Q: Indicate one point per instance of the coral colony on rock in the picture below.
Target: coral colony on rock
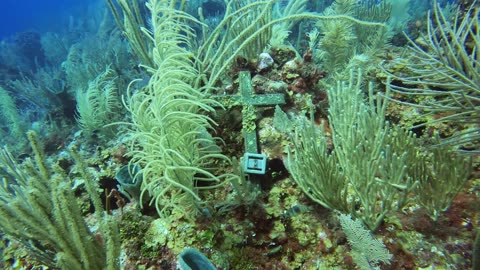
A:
(243, 134)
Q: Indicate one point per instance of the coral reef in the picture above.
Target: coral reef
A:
(141, 117)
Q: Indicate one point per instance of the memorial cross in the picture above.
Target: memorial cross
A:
(253, 161)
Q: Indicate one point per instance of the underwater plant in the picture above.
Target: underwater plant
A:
(242, 29)
(374, 167)
(444, 66)
(166, 152)
(363, 169)
(367, 251)
(338, 45)
(170, 121)
(131, 25)
(98, 104)
(171, 114)
(10, 117)
(39, 199)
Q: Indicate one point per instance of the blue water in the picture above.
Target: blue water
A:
(38, 15)
(51, 15)
(52, 50)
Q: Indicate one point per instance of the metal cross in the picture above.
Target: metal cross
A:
(254, 162)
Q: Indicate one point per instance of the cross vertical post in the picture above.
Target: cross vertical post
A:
(253, 161)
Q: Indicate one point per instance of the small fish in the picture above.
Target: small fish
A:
(368, 2)
(295, 210)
